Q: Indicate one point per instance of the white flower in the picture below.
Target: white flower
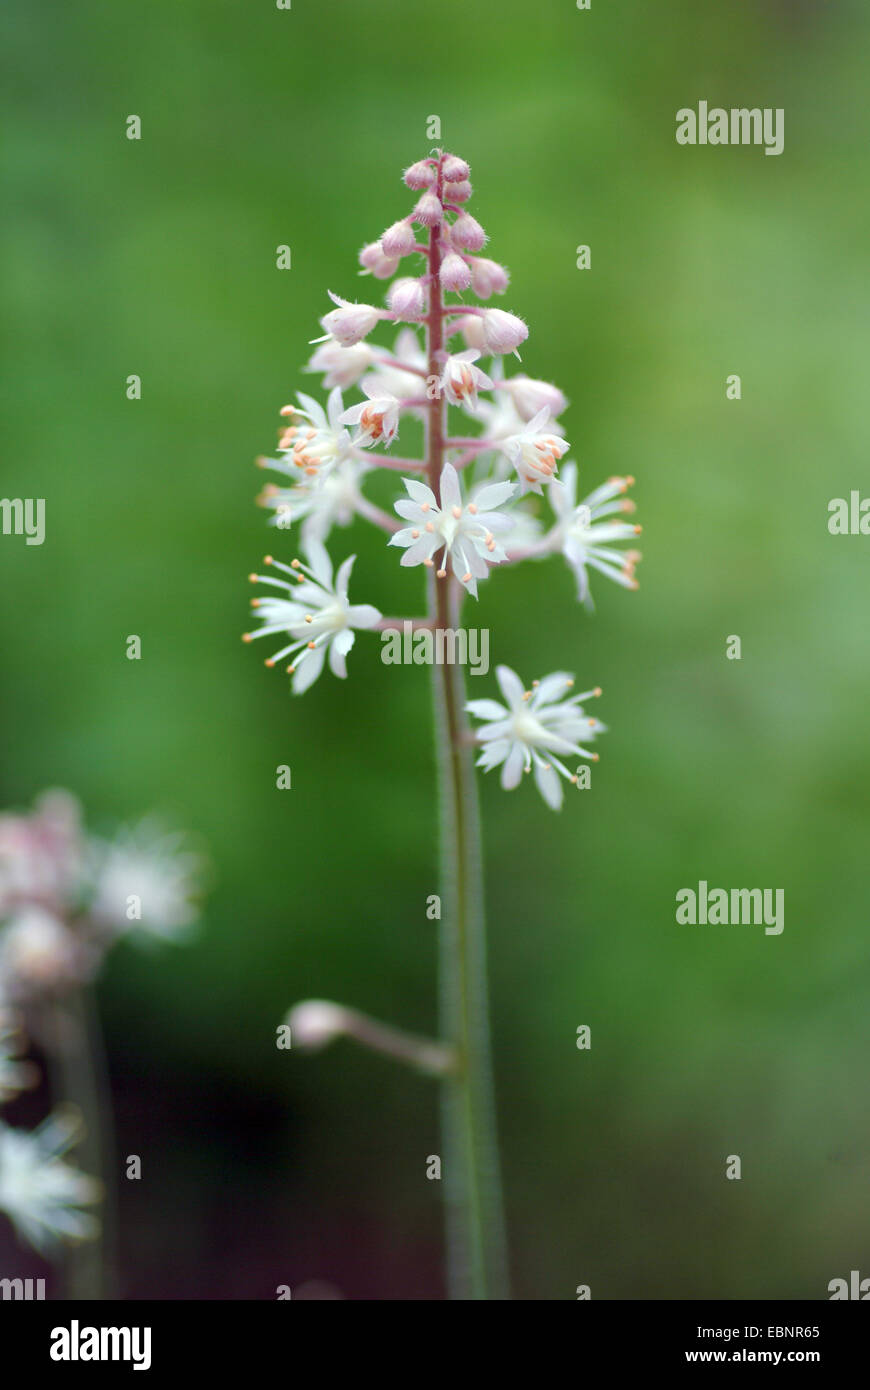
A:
(349, 323)
(526, 533)
(461, 380)
(377, 418)
(318, 618)
(41, 1194)
(531, 728)
(318, 502)
(499, 416)
(15, 1075)
(146, 880)
(343, 366)
(390, 380)
(534, 452)
(41, 854)
(465, 533)
(39, 954)
(321, 445)
(585, 539)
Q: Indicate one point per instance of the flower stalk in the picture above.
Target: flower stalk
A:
(459, 531)
(475, 1238)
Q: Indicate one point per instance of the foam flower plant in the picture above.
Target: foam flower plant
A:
(446, 368)
(66, 897)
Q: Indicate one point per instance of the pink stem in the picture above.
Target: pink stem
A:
(378, 517)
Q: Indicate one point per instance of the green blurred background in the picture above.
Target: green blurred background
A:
(157, 257)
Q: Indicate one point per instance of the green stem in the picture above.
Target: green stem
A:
(476, 1251)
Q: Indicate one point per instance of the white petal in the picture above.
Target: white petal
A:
(486, 709)
(556, 686)
(314, 408)
(420, 492)
(308, 670)
(334, 406)
(342, 579)
(492, 495)
(450, 493)
(363, 615)
(493, 753)
(511, 687)
(513, 767)
(537, 422)
(409, 511)
(549, 785)
(321, 565)
(420, 550)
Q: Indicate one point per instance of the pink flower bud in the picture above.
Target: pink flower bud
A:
(350, 323)
(407, 299)
(398, 240)
(467, 233)
(488, 277)
(429, 211)
(372, 258)
(454, 273)
(471, 328)
(459, 192)
(420, 175)
(454, 170)
(503, 332)
(530, 396)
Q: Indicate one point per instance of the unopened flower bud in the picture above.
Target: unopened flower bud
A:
(349, 323)
(454, 170)
(407, 299)
(467, 233)
(454, 273)
(488, 277)
(420, 175)
(503, 332)
(316, 1022)
(459, 192)
(471, 328)
(530, 396)
(429, 211)
(399, 240)
(373, 258)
